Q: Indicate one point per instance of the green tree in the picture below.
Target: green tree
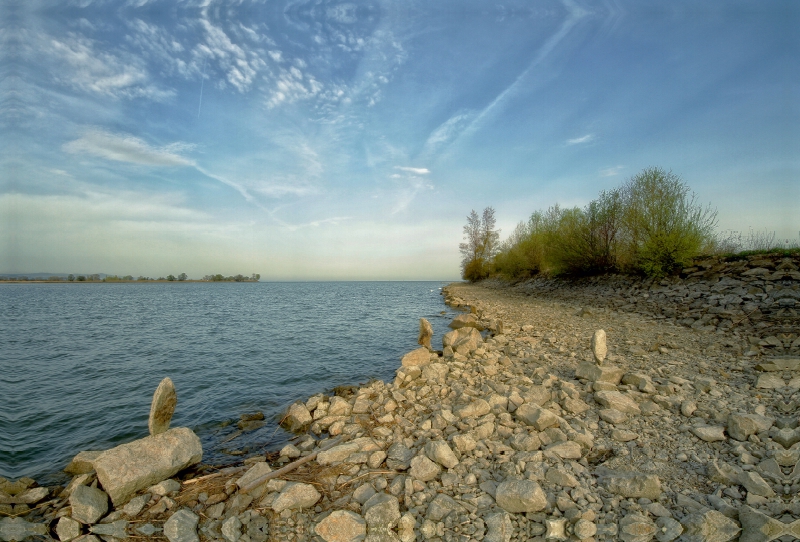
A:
(71, 277)
(182, 277)
(170, 278)
(81, 278)
(480, 246)
(663, 225)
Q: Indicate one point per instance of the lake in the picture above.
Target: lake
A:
(80, 362)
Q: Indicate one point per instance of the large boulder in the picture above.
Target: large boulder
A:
(416, 358)
(465, 320)
(126, 469)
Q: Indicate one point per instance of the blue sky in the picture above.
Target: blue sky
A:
(337, 140)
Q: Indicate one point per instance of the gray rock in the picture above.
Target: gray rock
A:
(135, 505)
(636, 528)
(126, 469)
(253, 473)
(163, 407)
(337, 454)
(16, 529)
(182, 527)
(165, 487)
(667, 529)
(423, 469)
(435, 373)
(425, 333)
(440, 506)
(381, 511)
(754, 483)
(631, 484)
(555, 529)
(296, 496)
(759, 527)
(67, 529)
(566, 450)
(709, 526)
(439, 451)
(342, 526)
(232, 529)
(33, 495)
(597, 373)
(723, 473)
(89, 504)
(709, 433)
(584, 529)
(599, 348)
(398, 456)
(116, 529)
(517, 496)
(498, 527)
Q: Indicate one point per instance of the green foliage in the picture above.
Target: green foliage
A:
(652, 224)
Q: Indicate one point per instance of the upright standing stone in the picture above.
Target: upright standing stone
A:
(163, 407)
(599, 349)
(425, 333)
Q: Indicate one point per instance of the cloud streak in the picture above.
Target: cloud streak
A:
(588, 138)
(127, 148)
(415, 170)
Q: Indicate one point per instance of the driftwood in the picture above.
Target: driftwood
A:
(290, 467)
(224, 472)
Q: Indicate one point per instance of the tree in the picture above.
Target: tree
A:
(182, 277)
(480, 246)
(71, 277)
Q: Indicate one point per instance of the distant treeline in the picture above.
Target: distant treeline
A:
(96, 277)
(651, 225)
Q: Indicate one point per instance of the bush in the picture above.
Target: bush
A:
(663, 226)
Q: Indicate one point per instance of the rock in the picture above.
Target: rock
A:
(632, 484)
(709, 433)
(291, 451)
(463, 340)
(435, 373)
(89, 504)
(163, 407)
(182, 527)
(599, 349)
(135, 505)
(597, 373)
(636, 528)
(466, 443)
(688, 407)
(416, 358)
(297, 419)
(33, 495)
(561, 478)
(343, 525)
(741, 426)
(82, 463)
(617, 401)
(381, 511)
(667, 529)
(555, 529)
(754, 483)
(423, 469)
(16, 529)
(439, 451)
(165, 487)
(253, 473)
(296, 496)
(425, 333)
(405, 528)
(116, 529)
(465, 320)
(475, 409)
(126, 469)
(566, 450)
(612, 416)
(515, 496)
(499, 527)
(339, 406)
(398, 456)
(584, 529)
(758, 527)
(723, 473)
(337, 454)
(232, 529)
(67, 529)
(709, 526)
(441, 506)
(536, 416)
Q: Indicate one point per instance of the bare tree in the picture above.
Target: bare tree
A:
(480, 246)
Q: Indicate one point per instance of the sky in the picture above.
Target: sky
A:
(328, 140)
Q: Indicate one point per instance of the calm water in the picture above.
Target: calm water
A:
(79, 362)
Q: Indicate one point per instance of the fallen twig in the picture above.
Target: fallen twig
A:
(290, 467)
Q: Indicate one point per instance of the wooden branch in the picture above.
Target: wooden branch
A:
(290, 467)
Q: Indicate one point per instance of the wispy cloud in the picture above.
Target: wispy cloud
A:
(611, 171)
(415, 170)
(407, 191)
(583, 139)
(126, 148)
(448, 131)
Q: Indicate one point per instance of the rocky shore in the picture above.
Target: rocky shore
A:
(589, 410)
